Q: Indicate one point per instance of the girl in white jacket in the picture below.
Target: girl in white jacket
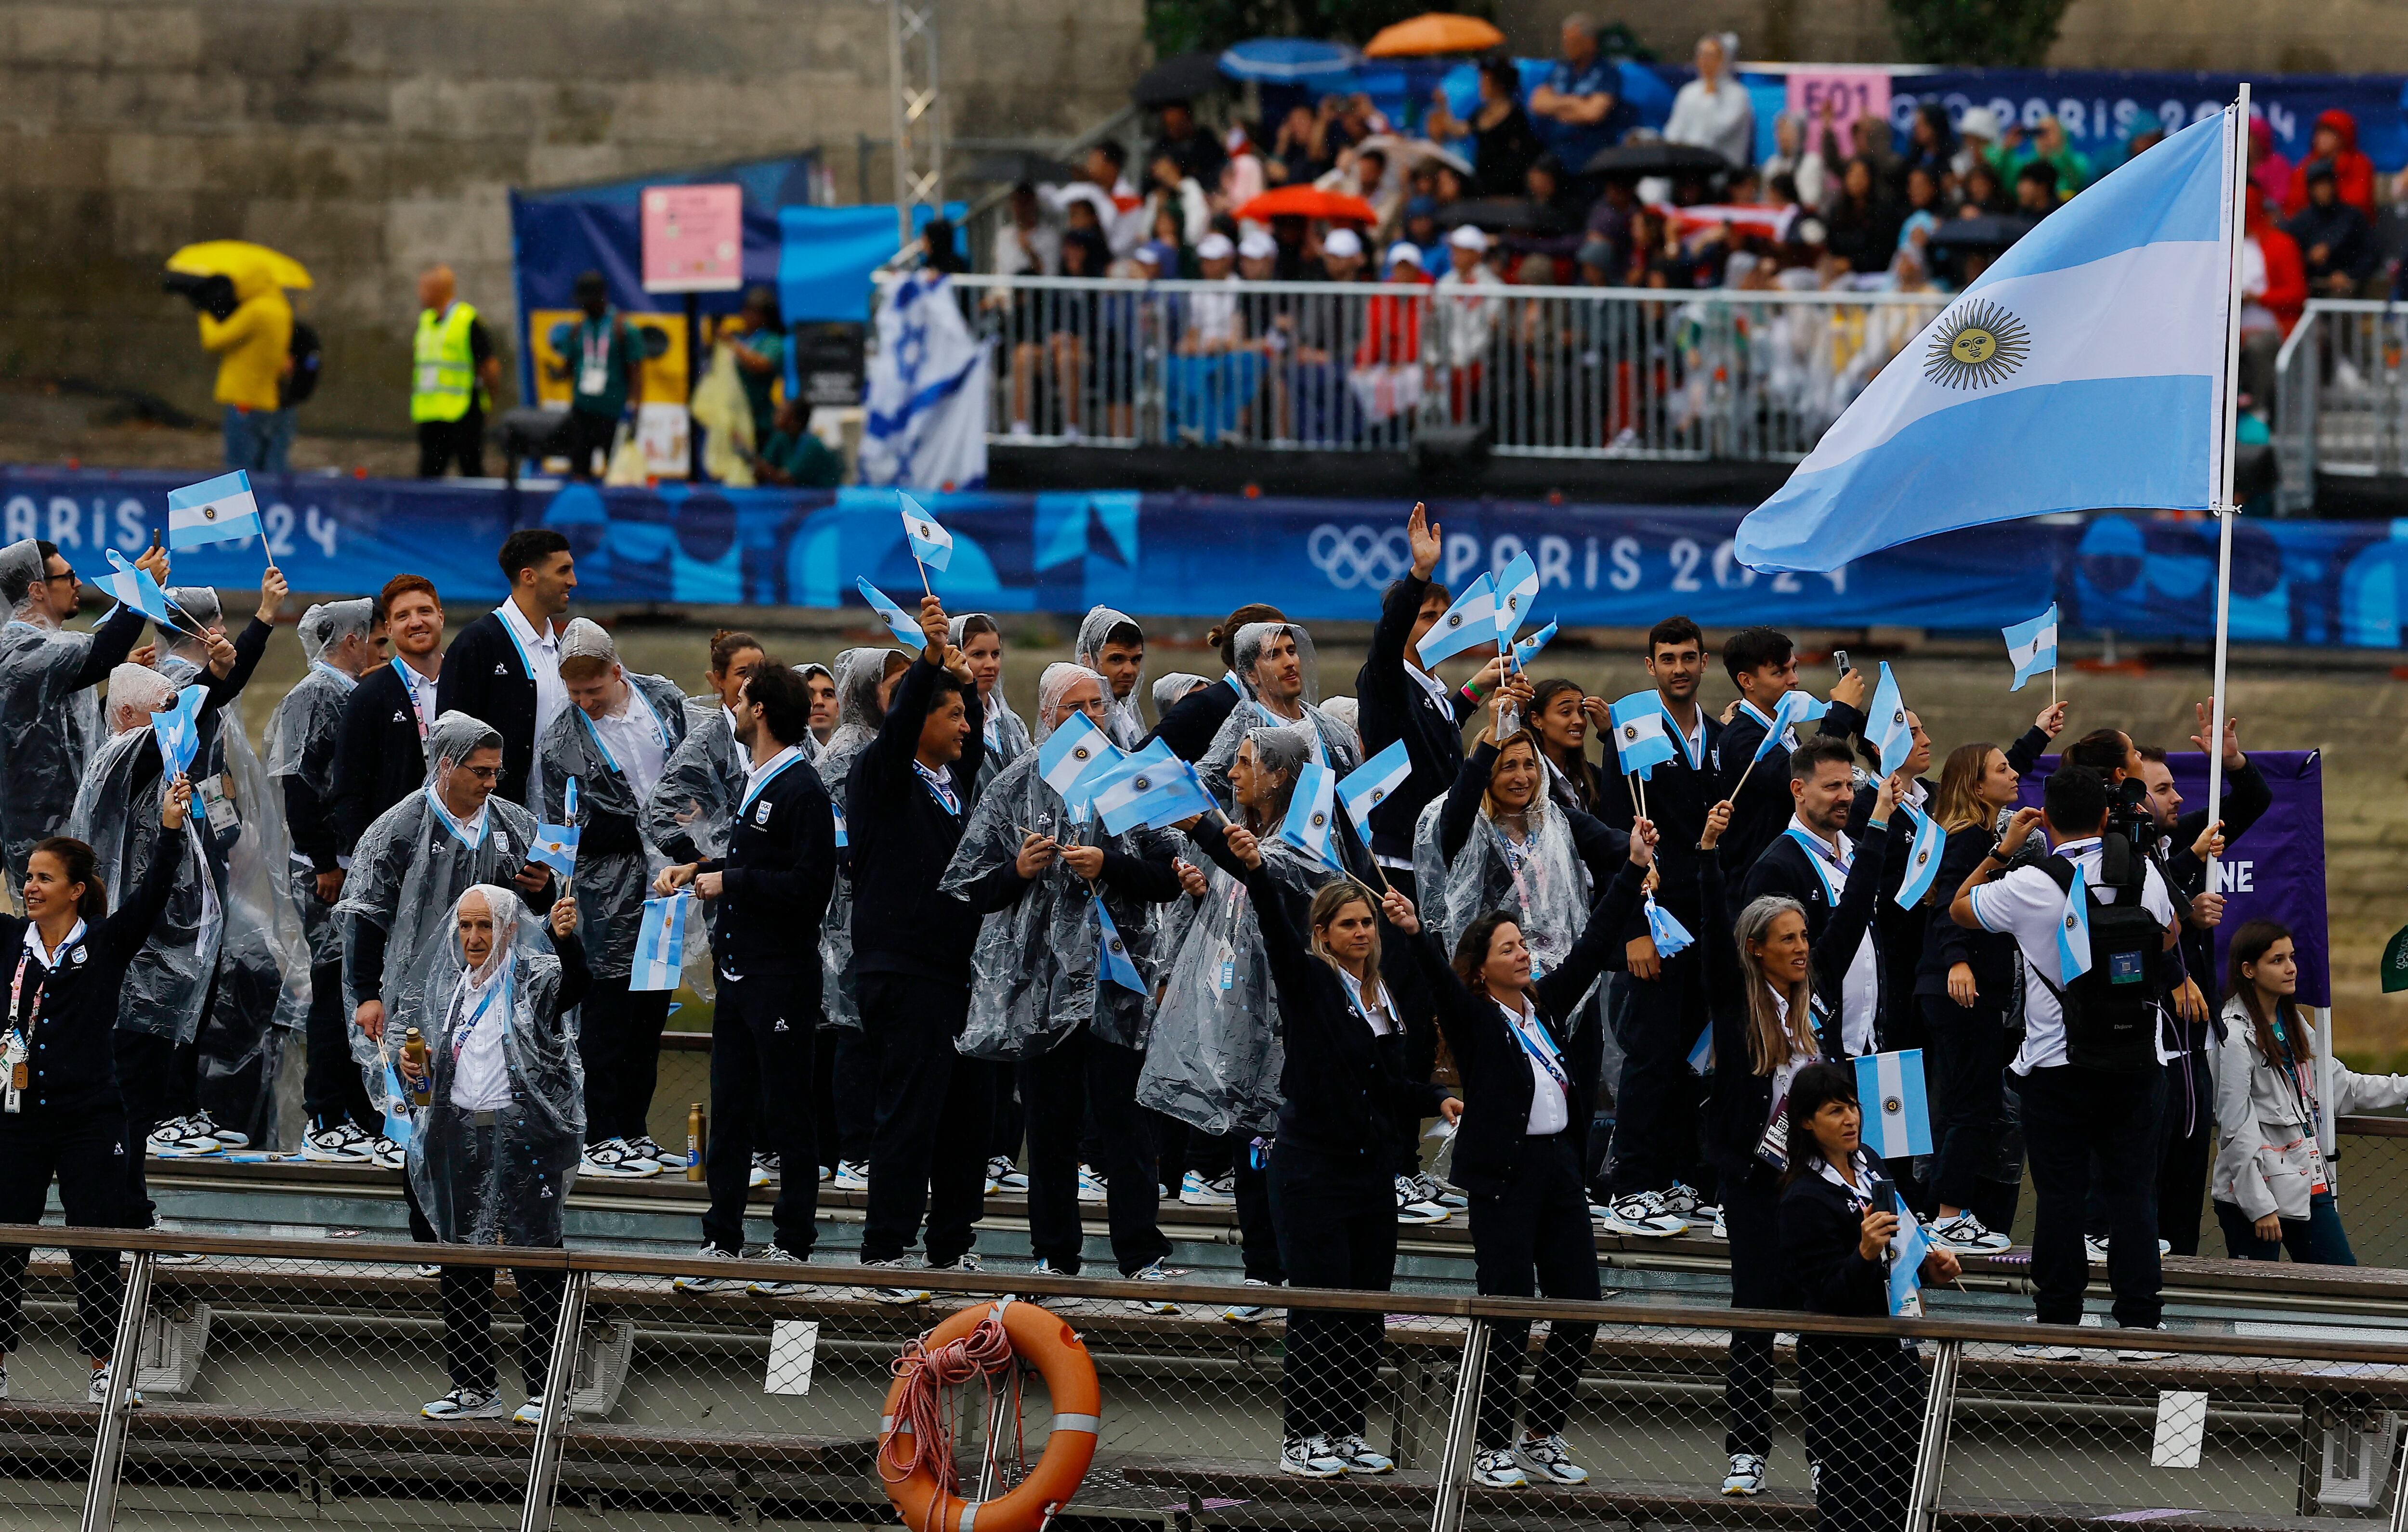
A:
(2273, 1188)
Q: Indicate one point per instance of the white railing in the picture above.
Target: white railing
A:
(1549, 371)
(2341, 396)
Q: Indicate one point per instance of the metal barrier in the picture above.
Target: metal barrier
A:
(2340, 407)
(281, 1378)
(1550, 371)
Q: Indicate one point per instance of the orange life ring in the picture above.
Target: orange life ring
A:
(1060, 1357)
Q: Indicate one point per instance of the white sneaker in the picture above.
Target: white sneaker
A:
(1091, 1186)
(1498, 1469)
(1152, 1273)
(1248, 1313)
(1969, 1236)
(1551, 1460)
(895, 1294)
(228, 1137)
(342, 1144)
(529, 1413)
(1359, 1458)
(2141, 1353)
(1198, 1190)
(1428, 1188)
(851, 1176)
(1410, 1209)
(647, 1149)
(1020, 428)
(614, 1160)
(1722, 1229)
(185, 1138)
(1642, 1214)
(769, 1289)
(707, 1284)
(828, 1174)
(387, 1155)
(1048, 1300)
(758, 1175)
(1310, 1458)
(1681, 1201)
(1004, 1176)
(1746, 1476)
(464, 1404)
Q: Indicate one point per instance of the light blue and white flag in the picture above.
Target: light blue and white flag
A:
(1796, 706)
(1469, 623)
(1669, 936)
(1369, 785)
(1906, 1249)
(2032, 646)
(901, 623)
(924, 426)
(659, 943)
(1898, 1118)
(1922, 858)
(1308, 820)
(1885, 725)
(1643, 733)
(931, 544)
(178, 730)
(1516, 588)
(555, 847)
(1153, 788)
(1074, 758)
(132, 586)
(2102, 334)
(219, 509)
(1112, 955)
(2073, 931)
(1701, 1052)
(1527, 650)
(397, 1106)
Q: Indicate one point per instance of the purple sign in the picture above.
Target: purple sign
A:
(2276, 871)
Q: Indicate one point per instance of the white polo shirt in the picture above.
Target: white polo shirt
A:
(2027, 905)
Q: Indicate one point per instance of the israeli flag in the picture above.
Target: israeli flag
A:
(1527, 650)
(1701, 1052)
(1643, 733)
(1669, 934)
(1074, 757)
(1112, 955)
(1886, 724)
(1797, 706)
(1897, 1119)
(1369, 785)
(1922, 858)
(178, 730)
(132, 586)
(925, 418)
(555, 847)
(219, 509)
(2032, 646)
(2073, 931)
(931, 544)
(2102, 334)
(1516, 588)
(901, 623)
(1309, 807)
(1469, 623)
(659, 943)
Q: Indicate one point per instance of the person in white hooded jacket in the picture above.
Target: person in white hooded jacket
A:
(2273, 1188)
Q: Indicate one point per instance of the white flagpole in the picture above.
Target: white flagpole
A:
(2224, 509)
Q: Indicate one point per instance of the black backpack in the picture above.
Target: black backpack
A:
(2111, 1009)
(308, 356)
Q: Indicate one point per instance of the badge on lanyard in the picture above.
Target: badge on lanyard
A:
(593, 370)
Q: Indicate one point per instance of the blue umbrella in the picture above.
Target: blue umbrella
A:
(1286, 59)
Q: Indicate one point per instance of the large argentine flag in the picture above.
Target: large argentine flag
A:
(2084, 370)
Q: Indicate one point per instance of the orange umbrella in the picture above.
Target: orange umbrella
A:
(1309, 202)
(1435, 32)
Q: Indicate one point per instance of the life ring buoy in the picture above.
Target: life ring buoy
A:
(1061, 1359)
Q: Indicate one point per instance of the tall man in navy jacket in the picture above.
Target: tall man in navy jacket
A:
(504, 669)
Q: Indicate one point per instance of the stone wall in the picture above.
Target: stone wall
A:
(370, 137)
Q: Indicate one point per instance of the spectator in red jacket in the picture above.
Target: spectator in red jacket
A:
(2273, 289)
(2335, 139)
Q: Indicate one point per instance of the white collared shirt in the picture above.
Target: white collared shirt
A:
(2026, 903)
(1786, 1070)
(1549, 1109)
(481, 1078)
(1860, 990)
(636, 741)
(1692, 740)
(48, 959)
(766, 769)
(1436, 688)
(471, 830)
(1373, 1008)
(542, 651)
(421, 690)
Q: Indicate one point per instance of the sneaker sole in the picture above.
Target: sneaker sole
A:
(703, 1284)
(1615, 1225)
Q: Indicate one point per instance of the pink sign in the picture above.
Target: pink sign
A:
(694, 238)
(1847, 93)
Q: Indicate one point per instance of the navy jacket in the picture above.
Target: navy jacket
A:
(901, 839)
(1391, 706)
(775, 881)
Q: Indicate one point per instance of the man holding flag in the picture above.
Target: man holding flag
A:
(504, 666)
(1763, 664)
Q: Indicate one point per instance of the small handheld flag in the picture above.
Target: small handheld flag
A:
(1898, 1118)
(1669, 936)
(555, 847)
(1643, 733)
(1112, 955)
(1922, 858)
(1153, 788)
(1796, 707)
(931, 544)
(1074, 757)
(568, 802)
(1516, 588)
(2031, 646)
(1369, 785)
(132, 586)
(178, 730)
(905, 626)
(219, 509)
(2073, 931)
(396, 1107)
(1701, 1052)
(659, 943)
(1907, 1251)
(1527, 650)
(1469, 623)
(1886, 727)
(1309, 823)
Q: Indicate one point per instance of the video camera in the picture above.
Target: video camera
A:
(212, 295)
(2130, 828)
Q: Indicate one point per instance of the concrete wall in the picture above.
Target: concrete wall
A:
(370, 137)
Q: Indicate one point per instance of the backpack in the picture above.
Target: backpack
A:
(308, 355)
(2111, 1009)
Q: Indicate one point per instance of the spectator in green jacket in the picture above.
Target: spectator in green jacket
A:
(793, 454)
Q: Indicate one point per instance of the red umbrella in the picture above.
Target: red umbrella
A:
(1309, 202)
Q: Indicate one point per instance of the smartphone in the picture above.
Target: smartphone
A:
(1839, 658)
(1885, 1197)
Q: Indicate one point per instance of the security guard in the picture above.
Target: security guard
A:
(453, 372)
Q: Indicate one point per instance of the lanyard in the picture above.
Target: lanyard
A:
(520, 644)
(1542, 1048)
(943, 795)
(459, 831)
(1696, 756)
(460, 1038)
(1821, 858)
(593, 343)
(409, 690)
(24, 1030)
(779, 764)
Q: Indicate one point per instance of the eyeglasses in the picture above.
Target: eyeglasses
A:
(483, 774)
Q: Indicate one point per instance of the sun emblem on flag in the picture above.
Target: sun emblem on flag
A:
(923, 529)
(209, 514)
(1630, 731)
(1319, 820)
(1380, 792)
(1141, 783)
(1891, 1106)
(1454, 618)
(2071, 922)
(1079, 752)
(1982, 345)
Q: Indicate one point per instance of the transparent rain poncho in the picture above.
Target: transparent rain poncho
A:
(1171, 690)
(301, 736)
(409, 868)
(1333, 744)
(1007, 734)
(1213, 1057)
(502, 1182)
(694, 804)
(49, 726)
(611, 885)
(1033, 965)
(116, 812)
(1124, 722)
(859, 672)
(1540, 880)
(813, 746)
(329, 622)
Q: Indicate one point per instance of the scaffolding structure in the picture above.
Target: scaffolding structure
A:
(919, 112)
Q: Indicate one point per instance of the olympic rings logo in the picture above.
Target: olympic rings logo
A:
(1359, 555)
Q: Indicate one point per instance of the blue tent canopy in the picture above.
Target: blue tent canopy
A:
(1301, 61)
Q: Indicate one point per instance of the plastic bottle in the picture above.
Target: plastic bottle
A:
(417, 1070)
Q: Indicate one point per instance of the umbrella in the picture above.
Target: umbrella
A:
(1283, 60)
(1410, 153)
(1656, 159)
(1986, 231)
(1022, 165)
(1183, 77)
(1309, 202)
(1490, 213)
(1436, 31)
(251, 268)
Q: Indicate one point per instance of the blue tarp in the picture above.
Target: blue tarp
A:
(825, 256)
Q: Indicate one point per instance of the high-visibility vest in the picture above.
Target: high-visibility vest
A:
(443, 370)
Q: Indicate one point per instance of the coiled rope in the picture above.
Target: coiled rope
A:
(926, 1373)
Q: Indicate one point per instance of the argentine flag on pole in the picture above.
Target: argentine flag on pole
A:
(1643, 733)
(1897, 1121)
(901, 623)
(132, 586)
(2085, 370)
(178, 730)
(1368, 786)
(931, 544)
(1112, 956)
(1922, 858)
(1309, 823)
(1469, 623)
(2032, 646)
(1672, 938)
(1153, 787)
(1516, 588)
(1886, 724)
(2073, 931)
(1074, 757)
(1797, 706)
(1527, 650)
(219, 509)
(659, 943)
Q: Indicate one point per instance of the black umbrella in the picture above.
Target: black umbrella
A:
(1656, 159)
(1181, 79)
(1022, 165)
(1986, 230)
(1491, 213)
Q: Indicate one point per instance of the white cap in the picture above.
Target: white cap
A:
(1981, 122)
(1468, 237)
(1215, 247)
(1150, 253)
(1404, 250)
(1342, 243)
(1257, 245)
